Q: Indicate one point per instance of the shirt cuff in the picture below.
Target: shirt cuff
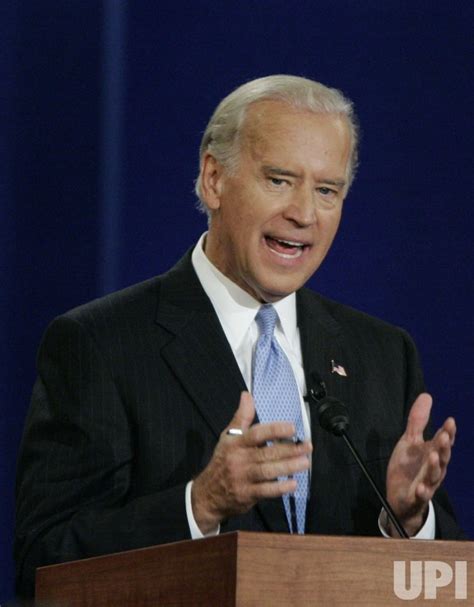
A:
(427, 532)
(193, 527)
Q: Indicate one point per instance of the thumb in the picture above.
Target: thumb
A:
(419, 416)
(244, 415)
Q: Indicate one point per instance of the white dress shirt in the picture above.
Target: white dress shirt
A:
(236, 311)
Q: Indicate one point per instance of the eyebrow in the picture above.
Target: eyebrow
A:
(278, 171)
(337, 182)
(287, 173)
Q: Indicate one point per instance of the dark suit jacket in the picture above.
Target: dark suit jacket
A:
(132, 393)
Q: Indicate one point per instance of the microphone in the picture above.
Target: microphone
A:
(333, 417)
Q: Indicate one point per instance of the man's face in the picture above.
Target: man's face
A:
(274, 219)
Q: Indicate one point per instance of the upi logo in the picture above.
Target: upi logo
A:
(428, 575)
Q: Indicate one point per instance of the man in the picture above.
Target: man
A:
(142, 428)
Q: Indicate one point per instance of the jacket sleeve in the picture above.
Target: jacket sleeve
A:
(74, 489)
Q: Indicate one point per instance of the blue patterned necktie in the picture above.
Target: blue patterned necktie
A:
(276, 399)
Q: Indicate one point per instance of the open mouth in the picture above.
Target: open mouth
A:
(288, 249)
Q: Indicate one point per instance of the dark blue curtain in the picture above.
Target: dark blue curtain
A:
(103, 106)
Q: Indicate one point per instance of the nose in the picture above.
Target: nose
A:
(301, 209)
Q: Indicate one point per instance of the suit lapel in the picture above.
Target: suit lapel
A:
(198, 352)
(322, 342)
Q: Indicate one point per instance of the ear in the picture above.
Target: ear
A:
(211, 181)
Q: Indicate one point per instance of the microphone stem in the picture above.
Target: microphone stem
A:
(388, 509)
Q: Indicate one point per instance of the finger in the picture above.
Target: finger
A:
(442, 445)
(423, 493)
(418, 417)
(282, 451)
(450, 427)
(274, 489)
(433, 471)
(245, 413)
(430, 476)
(425, 490)
(262, 433)
(272, 470)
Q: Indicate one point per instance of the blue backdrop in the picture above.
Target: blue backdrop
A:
(103, 106)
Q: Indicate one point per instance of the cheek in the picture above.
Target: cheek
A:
(329, 225)
(247, 222)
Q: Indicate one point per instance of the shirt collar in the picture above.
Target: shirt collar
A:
(235, 308)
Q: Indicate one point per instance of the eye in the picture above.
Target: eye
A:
(276, 181)
(327, 191)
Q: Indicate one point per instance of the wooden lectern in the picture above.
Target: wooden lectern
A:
(250, 569)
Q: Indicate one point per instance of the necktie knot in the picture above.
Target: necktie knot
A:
(266, 319)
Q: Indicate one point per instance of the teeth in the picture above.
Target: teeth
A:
(289, 242)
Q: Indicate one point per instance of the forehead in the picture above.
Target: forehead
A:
(274, 128)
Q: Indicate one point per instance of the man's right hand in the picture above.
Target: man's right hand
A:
(244, 469)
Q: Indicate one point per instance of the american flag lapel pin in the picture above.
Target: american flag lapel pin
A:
(339, 369)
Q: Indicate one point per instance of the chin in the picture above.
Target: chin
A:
(274, 292)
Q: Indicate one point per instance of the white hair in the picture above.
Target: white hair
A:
(223, 132)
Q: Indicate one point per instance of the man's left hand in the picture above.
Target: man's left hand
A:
(417, 467)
